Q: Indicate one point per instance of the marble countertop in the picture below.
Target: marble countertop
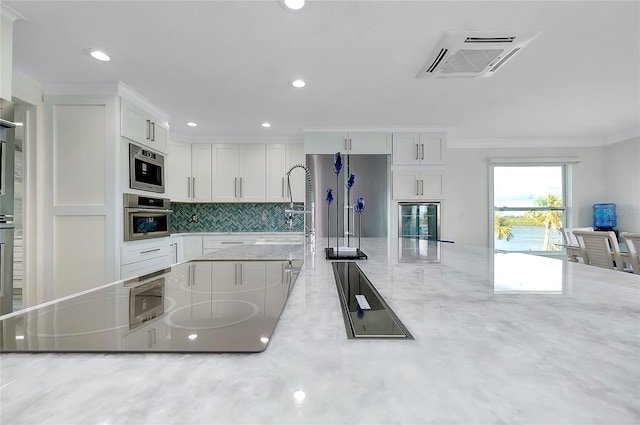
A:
(499, 338)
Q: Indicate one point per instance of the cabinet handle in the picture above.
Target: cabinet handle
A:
(350, 146)
(240, 273)
(231, 242)
(188, 187)
(235, 187)
(2, 268)
(149, 250)
(149, 339)
(421, 187)
(153, 132)
(422, 152)
(241, 187)
(148, 135)
(416, 151)
(417, 187)
(283, 188)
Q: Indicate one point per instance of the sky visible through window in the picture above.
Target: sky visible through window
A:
(521, 186)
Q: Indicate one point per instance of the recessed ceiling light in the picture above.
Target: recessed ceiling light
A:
(294, 4)
(192, 124)
(266, 125)
(100, 55)
(298, 84)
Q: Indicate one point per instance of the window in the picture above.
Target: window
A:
(529, 207)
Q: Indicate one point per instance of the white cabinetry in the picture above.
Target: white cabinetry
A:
(192, 247)
(419, 149)
(423, 183)
(139, 258)
(238, 172)
(178, 172)
(201, 173)
(345, 143)
(217, 242)
(139, 126)
(189, 172)
(280, 159)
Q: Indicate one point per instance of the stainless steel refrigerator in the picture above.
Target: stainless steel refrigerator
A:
(371, 183)
(7, 146)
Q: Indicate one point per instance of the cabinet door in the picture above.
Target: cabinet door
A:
(159, 136)
(134, 124)
(406, 149)
(298, 177)
(369, 143)
(178, 172)
(251, 173)
(201, 173)
(432, 149)
(406, 184)
(326, 142)
(225, 172)
(192, 247)
(276, 173)
(432, 184)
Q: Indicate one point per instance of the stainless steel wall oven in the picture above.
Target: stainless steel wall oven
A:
(146, 169)
(145, 217)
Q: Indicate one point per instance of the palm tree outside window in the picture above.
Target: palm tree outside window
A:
(529, 207)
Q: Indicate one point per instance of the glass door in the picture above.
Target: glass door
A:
(419, 231)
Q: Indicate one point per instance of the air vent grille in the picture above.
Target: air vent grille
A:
(489, 39)
(470, 54)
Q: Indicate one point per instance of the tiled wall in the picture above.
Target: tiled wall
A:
(233, 218)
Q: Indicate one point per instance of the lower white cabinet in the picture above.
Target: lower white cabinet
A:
(418, 184)
(192, 247)
(217, 242)
(139, 258)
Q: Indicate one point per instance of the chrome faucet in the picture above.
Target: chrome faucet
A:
(292, 210)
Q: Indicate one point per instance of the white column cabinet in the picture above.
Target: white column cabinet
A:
(238, 172)
(280, 158)
(345, 143)
(419, 149)
(139, 126)
(417, 184)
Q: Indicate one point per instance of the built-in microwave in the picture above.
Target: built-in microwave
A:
(146, 169)
(145, 217)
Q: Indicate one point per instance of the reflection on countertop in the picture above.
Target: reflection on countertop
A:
(479, 354)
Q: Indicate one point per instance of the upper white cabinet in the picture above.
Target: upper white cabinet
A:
(347, 143)
(422, 183)
(201, 173)
(139, 126)
(188, 173)
(280, 158)
(419, 149)
(238, 172)
(178, 172)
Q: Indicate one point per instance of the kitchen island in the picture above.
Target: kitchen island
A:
(499, 338)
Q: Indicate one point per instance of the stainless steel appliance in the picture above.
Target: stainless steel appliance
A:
(371, 183)
(419, 231)
(146, 169)
(145, 217)
(7, 226)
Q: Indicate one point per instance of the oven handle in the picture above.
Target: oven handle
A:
(149, 210)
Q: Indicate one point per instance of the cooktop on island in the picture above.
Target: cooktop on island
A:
(201, 306)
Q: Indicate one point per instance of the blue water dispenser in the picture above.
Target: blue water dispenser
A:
(604, 216)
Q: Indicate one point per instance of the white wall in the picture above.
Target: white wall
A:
(622, 182)
(465, 211)
(6, 57)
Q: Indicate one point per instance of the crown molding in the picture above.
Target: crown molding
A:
(523, 142)
(141, 101)
(378, 130)
(238, 138)
(72, 89)
(11, 14)
(630, 133)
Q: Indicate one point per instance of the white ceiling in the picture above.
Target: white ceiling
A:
(228, 64)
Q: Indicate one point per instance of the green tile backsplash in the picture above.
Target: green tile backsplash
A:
(233, 218)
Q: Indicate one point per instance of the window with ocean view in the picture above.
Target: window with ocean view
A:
(529, 207)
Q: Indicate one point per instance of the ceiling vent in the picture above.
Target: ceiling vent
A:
(469, 54)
